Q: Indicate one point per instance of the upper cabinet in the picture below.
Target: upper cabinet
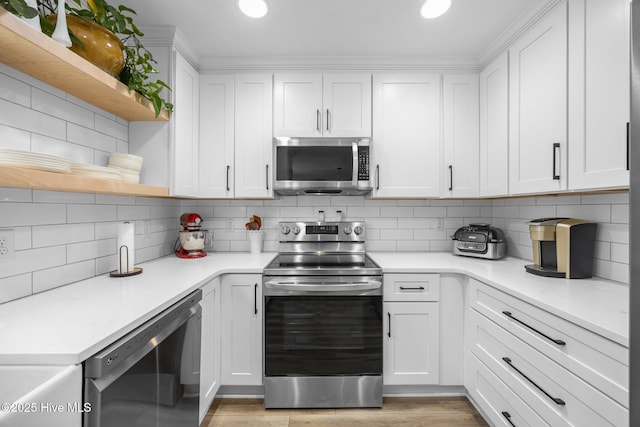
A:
(494, 128)
(538, 107)
(406, 128)
(315, 105)
(461, 133)
(599, 101)
(253, 136)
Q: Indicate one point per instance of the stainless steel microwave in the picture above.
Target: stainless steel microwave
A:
(321, 166)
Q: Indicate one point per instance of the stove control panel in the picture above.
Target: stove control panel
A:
(342, 231)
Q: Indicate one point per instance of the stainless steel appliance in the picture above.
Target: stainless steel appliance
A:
(321, 166)
(150, 377)
(479, 241)
(562, 247)
(323, 319)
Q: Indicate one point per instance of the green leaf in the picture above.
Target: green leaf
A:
(23, 9)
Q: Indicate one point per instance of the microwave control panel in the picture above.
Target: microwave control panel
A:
(363, 163)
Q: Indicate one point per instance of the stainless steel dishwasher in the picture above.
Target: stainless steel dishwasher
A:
(150, 377)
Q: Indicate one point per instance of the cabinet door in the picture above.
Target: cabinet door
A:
(210, 345)
(461, 127)
(297, 105)
(494, 128)
(242, 329)
(598, 93)
(411, 351)
(216, 136)
(406, 125)
(347, 105)
(253, 129)
(184, 176)
(538, 107)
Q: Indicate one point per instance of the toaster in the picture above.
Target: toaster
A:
(480, 241)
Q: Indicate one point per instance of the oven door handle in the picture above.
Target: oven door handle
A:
(320, 286)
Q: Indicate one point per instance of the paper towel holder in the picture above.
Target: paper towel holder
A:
(117, 273)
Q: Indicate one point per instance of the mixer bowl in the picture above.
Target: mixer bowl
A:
(193, 240)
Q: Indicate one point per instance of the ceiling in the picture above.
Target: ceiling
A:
(336, 28)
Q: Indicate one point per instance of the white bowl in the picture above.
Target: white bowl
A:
(131, 179)
(121, 162)
(128, 156)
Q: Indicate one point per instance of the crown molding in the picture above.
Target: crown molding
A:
(163, 36)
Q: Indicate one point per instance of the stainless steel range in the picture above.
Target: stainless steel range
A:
(323, 319)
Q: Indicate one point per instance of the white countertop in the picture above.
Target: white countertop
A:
(68, 324)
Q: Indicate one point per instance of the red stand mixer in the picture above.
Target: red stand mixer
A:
(192, 238)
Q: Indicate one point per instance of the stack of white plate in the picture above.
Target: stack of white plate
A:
(84, 169)
(29, 160)
(129, 165)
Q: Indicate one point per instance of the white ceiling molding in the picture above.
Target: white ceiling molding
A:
(162, 36)
(515, 30)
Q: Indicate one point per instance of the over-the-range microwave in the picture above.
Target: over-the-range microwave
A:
(321, 166)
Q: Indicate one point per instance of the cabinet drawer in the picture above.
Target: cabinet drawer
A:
(554, 393)
(597, 360)
(411, 287)
(499, 403)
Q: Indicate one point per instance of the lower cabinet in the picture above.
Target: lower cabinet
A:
(242, 329)
(210, 345)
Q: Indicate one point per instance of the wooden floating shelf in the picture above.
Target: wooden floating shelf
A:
(35, 54)
(14, 177)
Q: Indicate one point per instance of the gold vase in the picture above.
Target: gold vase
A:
(100, 46)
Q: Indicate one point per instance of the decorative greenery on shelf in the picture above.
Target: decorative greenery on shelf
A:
(138, 60)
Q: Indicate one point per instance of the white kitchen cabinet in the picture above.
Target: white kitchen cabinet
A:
(242, 329)
(184, 143)
(314, 105)
(210, 354)
(253, 136)
(461, 135)
(406, 159)
(411, 352)
(538, 106)
(599, 101)
(216, 158)
(494, 128)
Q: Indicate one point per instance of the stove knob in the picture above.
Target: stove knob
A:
(347, 229)
(285, 229)
(296, 229)
(358, 230)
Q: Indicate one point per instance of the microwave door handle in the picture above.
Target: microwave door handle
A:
(354, 175)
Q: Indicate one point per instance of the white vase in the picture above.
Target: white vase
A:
(61, 33)
(255, 241)
(34, 22)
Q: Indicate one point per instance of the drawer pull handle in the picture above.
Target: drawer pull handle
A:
(389, 331)
(255, 298)
(507, 416)
(553, 340)
(556, 400)
(419, 288)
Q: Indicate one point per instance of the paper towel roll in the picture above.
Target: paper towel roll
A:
(126, 251)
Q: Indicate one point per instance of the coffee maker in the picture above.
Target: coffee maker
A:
(192, 238)
(562, 247)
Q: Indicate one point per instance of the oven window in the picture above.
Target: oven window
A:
(314, 164)
(323, 335)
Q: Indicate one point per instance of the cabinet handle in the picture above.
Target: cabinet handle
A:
(419, 288)
(507, 416)
(389, 331)
(556, 400)
(255, 298)
(450, 177)
(377, 177)
(553, 340)
(328, 125)
(267, 176)
(628, 145)
(318, 121)
(228, 167)
(556, 152)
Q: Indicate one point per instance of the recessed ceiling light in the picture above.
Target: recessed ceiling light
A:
(434, 8)
(253, 8)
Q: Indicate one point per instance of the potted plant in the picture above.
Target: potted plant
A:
(138, 61)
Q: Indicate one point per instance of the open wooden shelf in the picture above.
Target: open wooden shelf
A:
(14, 177)
(33, 53)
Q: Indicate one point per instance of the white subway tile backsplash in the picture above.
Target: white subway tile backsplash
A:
(67, 150)
(464, 211)
(108, 263)
(14, 90)
(612, 270)
(91, 213)
(33, 260)
(413, 245)
(90, 138)
(130, 213)
(59, 107)
(396, 234)
(558, 200)
(90, 250)
(620, 253)
(430, 212)
(22, 236)
(616, 233)
(363, 211)
(14, 139)
(534, 212)
(603, 250)
(596, 213)
(15, 195)
(382, 223)
(53, 235)
(107, 199)
(620, 214)
(24, 118)
(15, 287)
(112, 128)
(26, 214)
(397, 211)
(44, 280)
(62, 197)
(422, 223)
(24, 78)
(606, 198)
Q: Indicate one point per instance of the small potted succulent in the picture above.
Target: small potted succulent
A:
(136, 63)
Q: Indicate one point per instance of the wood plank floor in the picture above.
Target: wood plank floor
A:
(396, 412)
